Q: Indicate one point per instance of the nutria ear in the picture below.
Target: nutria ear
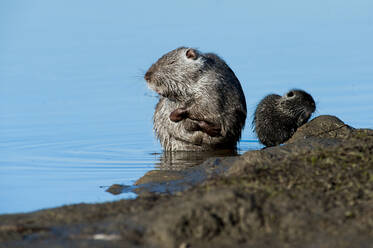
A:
(191, 54)
(290, 94)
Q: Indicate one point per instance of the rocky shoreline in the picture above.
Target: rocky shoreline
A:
(314, 191)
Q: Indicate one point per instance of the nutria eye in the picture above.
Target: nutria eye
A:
(290, 94)
(191, 54)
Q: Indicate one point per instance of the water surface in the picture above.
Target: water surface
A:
(75, 112)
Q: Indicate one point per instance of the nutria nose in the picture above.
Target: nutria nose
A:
(148, 75)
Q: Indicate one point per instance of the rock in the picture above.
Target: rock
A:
(117, 189)
(324, 127)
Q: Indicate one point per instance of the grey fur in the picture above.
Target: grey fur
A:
(277, 118)
(210, 93)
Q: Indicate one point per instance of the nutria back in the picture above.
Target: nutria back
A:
(207, 89)
(276, 118)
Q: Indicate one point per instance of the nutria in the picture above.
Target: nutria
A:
(201, 106)
(276, 118)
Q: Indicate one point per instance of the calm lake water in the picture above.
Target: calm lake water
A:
(76, 114)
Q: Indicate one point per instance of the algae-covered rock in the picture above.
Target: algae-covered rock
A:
(324, 127)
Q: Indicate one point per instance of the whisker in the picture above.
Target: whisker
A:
(152, 94)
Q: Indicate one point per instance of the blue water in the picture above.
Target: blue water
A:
(75, 112)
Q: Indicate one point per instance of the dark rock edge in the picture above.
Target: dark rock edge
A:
(314, 191)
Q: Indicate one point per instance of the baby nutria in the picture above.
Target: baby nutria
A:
(201, 106)
(277, 118)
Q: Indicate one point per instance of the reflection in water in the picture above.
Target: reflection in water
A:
(183, 160)
(177, 171)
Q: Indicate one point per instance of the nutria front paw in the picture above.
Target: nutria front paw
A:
(211, 129)
(179, 114)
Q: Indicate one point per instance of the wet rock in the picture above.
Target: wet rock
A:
(117, 189)
(158, 176)
(168, 181)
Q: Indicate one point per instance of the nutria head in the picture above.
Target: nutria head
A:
(175, 73)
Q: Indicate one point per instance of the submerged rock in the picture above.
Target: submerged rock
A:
(314, 191)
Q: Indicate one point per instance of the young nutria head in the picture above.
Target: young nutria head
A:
(297, 104)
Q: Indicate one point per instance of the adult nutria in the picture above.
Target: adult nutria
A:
(201, 106)
(277, 118)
